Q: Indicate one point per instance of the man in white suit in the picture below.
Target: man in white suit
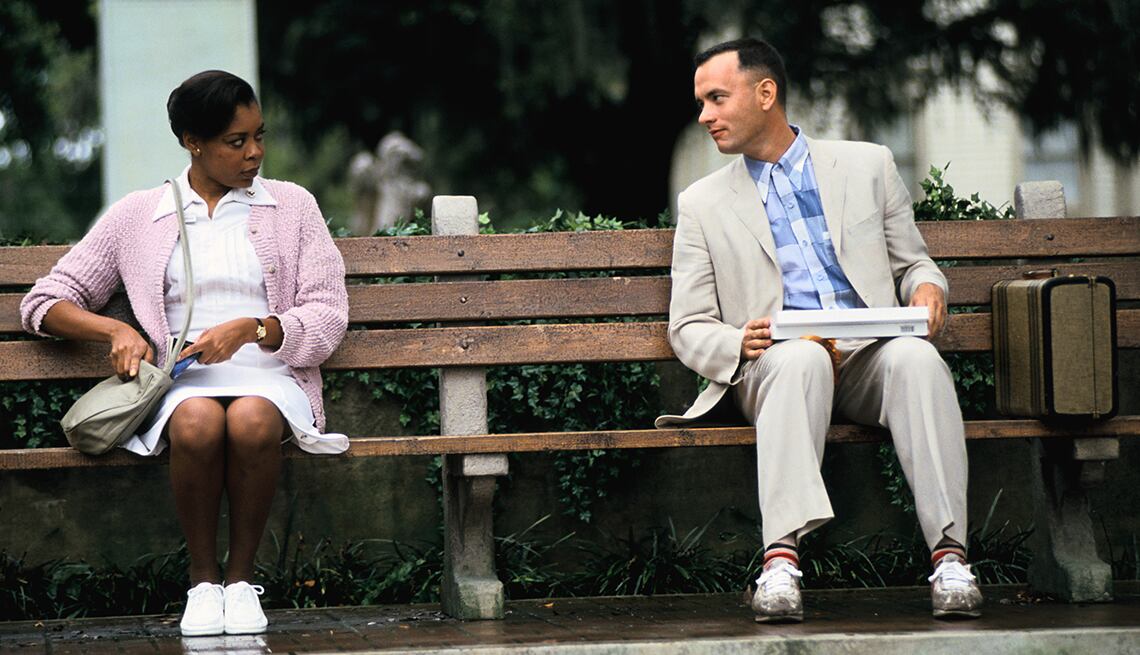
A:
(799, 223)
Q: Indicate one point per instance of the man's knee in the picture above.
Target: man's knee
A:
(798, 357)
(911, 353)
(915, 363)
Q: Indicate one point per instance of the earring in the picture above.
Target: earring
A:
(197, 152)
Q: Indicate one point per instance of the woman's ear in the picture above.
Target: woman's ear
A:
(192, 143)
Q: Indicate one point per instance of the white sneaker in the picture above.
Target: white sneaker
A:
(204, 607)
(243, 609)
(954, 591)
(777, 598)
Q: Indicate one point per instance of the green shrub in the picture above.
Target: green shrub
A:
(369, 572)
(69, 589)
(32, 409)
(662, 561)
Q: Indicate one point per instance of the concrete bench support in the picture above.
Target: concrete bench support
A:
(1065, 564)
(471, 589)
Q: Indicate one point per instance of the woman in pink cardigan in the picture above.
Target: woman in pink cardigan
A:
(269, 306)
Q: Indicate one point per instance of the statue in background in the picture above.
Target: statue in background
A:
(386, 186)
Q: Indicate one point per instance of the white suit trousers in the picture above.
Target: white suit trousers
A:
(901, 384)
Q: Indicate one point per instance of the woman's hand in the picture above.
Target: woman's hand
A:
(219, 343)
(127, 349)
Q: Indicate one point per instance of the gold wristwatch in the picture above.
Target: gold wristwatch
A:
(260, 330)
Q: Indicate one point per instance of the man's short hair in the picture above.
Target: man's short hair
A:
(754, 55)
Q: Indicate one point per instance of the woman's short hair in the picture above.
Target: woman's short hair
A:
(204, 104)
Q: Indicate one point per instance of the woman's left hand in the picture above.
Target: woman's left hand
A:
(220, 342)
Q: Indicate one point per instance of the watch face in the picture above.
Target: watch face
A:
(260, 331)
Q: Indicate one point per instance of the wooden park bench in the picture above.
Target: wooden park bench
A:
(470, 322)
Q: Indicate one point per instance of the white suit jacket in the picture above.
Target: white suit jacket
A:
(725, 270)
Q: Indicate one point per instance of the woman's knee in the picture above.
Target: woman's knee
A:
(197, 426)
(254, 423)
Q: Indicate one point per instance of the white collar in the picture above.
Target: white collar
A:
(254, 195)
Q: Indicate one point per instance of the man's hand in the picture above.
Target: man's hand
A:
(220, 342)
(930, 295)
(757, 338)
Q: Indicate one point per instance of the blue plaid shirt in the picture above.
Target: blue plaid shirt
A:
(812, 276)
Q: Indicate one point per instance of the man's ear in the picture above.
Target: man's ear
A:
(766, 93)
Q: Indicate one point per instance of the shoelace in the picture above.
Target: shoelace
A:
(243, 594)
(255, 588)
(778, 578)
(954, 574)
(199, 589)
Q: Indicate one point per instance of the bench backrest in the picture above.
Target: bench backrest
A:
(625, 296)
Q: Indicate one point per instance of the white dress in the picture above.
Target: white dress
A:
(228, 284)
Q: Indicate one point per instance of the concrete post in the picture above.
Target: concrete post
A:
(1065, 564)
(471, 589)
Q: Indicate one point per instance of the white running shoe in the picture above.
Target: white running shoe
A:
(777, 598)
(243, 609)
(954, 591)
(204, 611)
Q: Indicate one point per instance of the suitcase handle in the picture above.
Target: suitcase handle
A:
(1040, 274)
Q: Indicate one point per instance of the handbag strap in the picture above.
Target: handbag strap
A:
(181, 342)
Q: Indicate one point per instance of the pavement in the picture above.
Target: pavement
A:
(879, 621)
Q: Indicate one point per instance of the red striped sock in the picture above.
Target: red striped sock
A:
(785, 551)
(947, 549)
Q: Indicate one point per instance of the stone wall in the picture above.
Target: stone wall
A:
(116, 515)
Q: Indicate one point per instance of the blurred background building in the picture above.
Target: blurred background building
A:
(580, 105)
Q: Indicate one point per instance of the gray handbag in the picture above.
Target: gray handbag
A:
(109, 413)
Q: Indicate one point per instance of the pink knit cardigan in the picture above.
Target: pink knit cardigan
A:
(304, 275)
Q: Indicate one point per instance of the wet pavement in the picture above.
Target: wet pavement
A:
(836, 621)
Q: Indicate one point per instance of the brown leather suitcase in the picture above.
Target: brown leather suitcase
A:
(1055, 347)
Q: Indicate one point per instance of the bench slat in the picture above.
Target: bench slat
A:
(504, 344)
(510, 299)
(48, 458)
(480, 346)
(970, 285)
(497, 253)
(602, 296)
(1055, 237)
(638, 249)
(24, 265)
(636, 296)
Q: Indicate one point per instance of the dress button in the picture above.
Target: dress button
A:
(804, 244)
(819, 276)
(272, 268)
(253, 230)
